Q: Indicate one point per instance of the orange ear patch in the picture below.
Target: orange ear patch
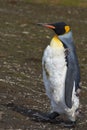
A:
(67, 28)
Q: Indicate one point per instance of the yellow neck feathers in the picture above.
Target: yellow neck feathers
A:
(55, 42)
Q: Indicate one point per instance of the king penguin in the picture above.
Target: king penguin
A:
(61, 73)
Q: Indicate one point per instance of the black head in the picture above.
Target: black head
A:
(60, 28)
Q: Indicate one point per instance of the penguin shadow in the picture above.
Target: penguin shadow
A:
(37, 116)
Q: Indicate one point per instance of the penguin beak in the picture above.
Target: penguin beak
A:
(46, 25)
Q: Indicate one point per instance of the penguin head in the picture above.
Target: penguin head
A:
(59, 28)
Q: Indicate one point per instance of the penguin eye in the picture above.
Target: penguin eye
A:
(67, 29)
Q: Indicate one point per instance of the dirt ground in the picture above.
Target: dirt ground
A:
(22, 93)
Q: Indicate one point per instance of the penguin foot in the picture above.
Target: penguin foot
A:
(47, 117)
(53, 115)
(70, 124)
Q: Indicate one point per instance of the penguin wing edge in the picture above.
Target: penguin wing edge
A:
(69, 82)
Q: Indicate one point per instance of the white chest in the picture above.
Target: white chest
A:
(54, 72)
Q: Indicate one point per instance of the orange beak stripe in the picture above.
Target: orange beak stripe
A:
(47, 25)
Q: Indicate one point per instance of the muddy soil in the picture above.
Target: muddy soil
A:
(22, 93)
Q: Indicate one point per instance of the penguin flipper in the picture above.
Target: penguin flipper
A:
(69, 81)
